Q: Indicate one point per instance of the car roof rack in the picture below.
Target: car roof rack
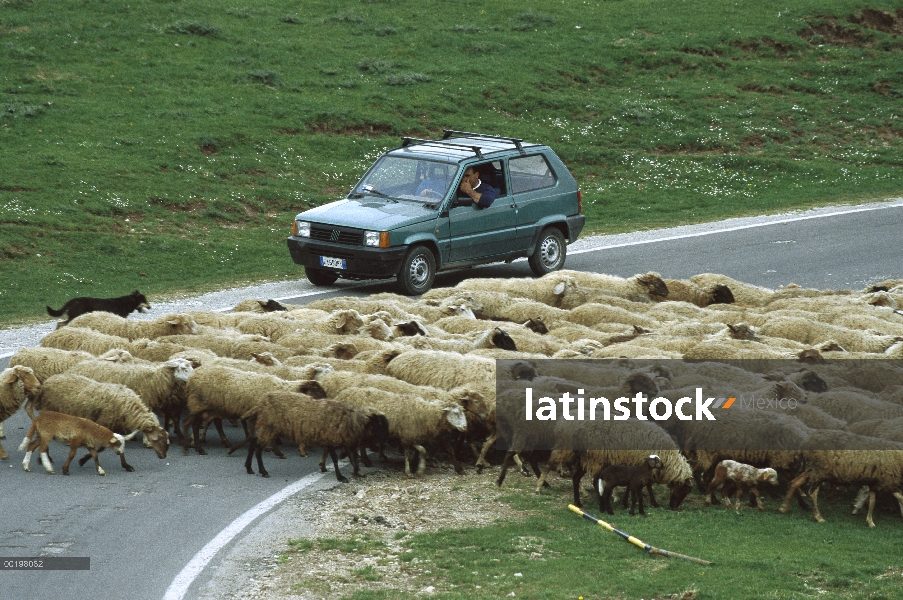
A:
(518, 142)
(405, 141)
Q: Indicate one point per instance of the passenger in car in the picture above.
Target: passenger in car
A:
(480, 192)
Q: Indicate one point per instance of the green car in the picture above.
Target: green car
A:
(434, 205)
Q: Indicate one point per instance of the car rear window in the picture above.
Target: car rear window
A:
(530, 173)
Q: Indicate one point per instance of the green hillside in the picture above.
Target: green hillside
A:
(166, 145)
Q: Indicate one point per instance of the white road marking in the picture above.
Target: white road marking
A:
(179, 586)
(741, 227)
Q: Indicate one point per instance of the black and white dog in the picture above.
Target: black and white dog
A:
(121, 306)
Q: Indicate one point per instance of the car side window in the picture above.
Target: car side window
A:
(530, 173)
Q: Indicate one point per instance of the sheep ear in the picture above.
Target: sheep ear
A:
(172, 321)
(10, 376)
(559, 289)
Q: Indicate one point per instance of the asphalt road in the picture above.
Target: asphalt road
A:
(141, 529)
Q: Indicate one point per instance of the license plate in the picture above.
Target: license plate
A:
(332, 263)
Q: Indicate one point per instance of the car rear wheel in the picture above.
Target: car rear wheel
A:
(549, 253)
(418, 270)
(320, 277)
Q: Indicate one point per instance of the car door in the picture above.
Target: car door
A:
(534, 190)
(479, 233)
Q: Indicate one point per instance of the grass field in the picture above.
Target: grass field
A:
(553, 554)
(166, 145)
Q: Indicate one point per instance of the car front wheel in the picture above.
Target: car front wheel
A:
(320, 277)
(549, 253)
(418, 270)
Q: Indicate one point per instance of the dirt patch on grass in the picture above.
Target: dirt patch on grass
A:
(353, 130)
(880, 20)
(362, 529)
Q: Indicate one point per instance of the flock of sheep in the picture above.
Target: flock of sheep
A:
(351, 373)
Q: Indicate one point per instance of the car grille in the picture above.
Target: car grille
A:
(337, 235)
(317, 251)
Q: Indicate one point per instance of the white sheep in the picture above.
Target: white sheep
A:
(413, 421)
(87, 340)
(48, 361)
(844, 458)
(133, 329)
(216, 393)
(112, 405)
(160, 386)
(307, 421)
(16, 384)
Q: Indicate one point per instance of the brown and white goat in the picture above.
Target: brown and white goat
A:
(742, 475)
(74, 431)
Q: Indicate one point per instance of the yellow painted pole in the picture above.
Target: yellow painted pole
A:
(636, 541)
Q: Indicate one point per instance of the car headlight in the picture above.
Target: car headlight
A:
(378, 239)
(302, 228)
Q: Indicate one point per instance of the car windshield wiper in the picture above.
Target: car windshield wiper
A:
(371, 191)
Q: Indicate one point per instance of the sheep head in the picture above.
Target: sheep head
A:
(271, 306)
(501, 339)
(117, 355)
(346, 321)
(377, 428)
(159, 440)
(640, 382)
(653, 461)
(117, 444)
(721, 294)
(536, 326)
(312, 388)
(524, 370)
(24, 374)
(411, 328)
(266, 358)
(678, 491)
(181, 368)
(654, 284)
(742, 331)
(768, 476)
(182, 324)
(377, 329)
(454, 415)
(471, 401)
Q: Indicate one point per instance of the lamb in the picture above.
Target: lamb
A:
(12, 395)
(111, 405)
(844, 458)
(132, 329)
(635, 478)
(216, 393)
(413, 421)
(160, 386)
(48, 361)
(617, 442)
(306, 421)
(741, 475)
(76, 432)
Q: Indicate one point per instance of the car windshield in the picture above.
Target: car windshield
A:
(399, 177)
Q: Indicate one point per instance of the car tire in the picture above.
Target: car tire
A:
(549, 253)
(418, 270)
(320, 277)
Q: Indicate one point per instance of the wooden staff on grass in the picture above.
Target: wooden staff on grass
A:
(635, 541)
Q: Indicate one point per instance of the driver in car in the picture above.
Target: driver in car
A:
(480, 192)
